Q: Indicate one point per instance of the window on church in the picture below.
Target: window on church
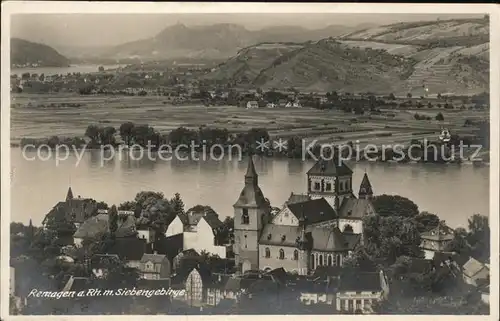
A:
(295, 255)
(320, 260)
(328, 186)
(317, 186)
(282, 254)
(245, 241)
(330, 263)
(341, 186)
(245, 219)
(268, 252)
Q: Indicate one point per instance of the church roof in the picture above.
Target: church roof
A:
(365, 186)
(330, 167)
(440, 233)
(354, 208)
(251, 196)
(316, 210)
(328, 239)
(284, 235)
(251, 172)
(297, 198)
(323, 238)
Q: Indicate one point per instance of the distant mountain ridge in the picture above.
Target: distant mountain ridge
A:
(26, 53)
(420, 58)
(216, 41)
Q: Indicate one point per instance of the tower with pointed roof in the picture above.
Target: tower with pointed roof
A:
(365, 189)
(330, 178)
(251, 214)
(69, 194)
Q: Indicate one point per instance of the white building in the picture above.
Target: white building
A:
(200, 228)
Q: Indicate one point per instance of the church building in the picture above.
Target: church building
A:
(321, 228)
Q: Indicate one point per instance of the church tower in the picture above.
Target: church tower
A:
(251, 214)
(69, 195)
(332, 179)
(304, 248)
(365, 189)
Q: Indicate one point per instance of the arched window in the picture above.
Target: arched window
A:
(337, 261)
(282, 254)
(348, 229)
(341, 186)
(313, 262)
(295, 255)
(330, 263)
(268, 252)
(320, 260)
(245, 219)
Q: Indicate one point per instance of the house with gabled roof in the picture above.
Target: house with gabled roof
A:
(154, 266)
(96, 226)
(358, 292)
(200, 228)
(475, 273)
(436, 240)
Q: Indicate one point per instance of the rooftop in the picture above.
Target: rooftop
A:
(315, 211)
(330, 167)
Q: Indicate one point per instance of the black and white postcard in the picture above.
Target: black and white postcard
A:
(312, 160)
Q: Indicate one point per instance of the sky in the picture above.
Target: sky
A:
(112, 29)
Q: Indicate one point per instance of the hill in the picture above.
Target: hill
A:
(24, 53)
(419, 58)
(215, 41)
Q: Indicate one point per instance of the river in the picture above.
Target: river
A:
(453, 192)
(62, 70)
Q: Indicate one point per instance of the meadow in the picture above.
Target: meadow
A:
(45, 115)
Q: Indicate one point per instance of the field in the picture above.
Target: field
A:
(40, 116)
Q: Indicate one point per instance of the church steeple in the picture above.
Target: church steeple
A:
(69, 195)
(365, 189)
(251, 176)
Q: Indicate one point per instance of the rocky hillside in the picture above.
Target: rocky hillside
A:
(25, 53)
(419, 58)
(216, 41)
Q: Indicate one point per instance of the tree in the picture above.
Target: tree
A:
(426, 221)
(126, 132)
(108, 135)
(459, 244)
(101, 68)
(392, 97)
(388, 237)
(479, 237)
(409, 95)
(394, 205)
(94, 133)
(113, 220)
